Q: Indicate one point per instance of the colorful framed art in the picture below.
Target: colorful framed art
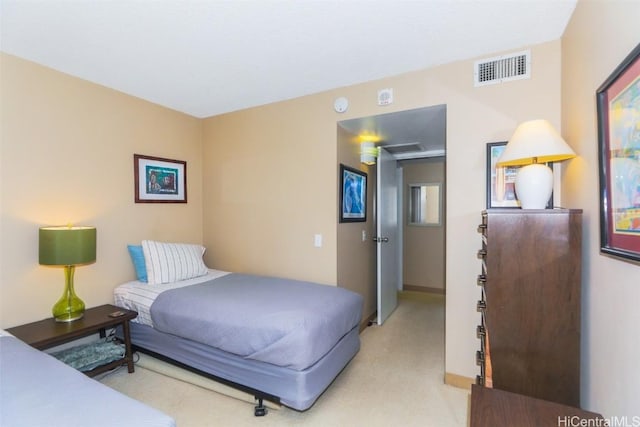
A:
(159, 180)
(618, 105)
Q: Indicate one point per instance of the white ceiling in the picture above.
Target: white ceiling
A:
(210, 57)
(420, 132)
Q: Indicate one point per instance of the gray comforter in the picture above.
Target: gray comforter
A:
(279, 321)
(38, 390)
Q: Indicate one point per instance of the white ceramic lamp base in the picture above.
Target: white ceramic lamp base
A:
(534, 185)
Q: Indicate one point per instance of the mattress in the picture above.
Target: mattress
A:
(289, 323)
(296, 389)
(37, 390)
(285, 340)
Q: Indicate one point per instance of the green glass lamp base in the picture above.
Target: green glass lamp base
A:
(69, 317)
(69, 307)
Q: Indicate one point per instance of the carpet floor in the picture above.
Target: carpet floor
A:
(395, 380)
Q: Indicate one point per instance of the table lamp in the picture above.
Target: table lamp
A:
(67, 246)
(533, 144)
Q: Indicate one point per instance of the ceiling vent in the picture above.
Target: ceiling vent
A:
(403, 148)
(516, 66)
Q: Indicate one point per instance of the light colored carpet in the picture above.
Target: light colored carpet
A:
(395, 380)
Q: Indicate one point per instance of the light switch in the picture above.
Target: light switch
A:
(317, 240)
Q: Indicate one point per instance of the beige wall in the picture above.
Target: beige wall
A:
(356, 271)
(423, 246)
(599, 36)
(476, 116)
(270, 186)
(258, 220)
(67, 156)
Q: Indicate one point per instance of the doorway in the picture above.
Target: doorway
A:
(412, 137)
(424, 225)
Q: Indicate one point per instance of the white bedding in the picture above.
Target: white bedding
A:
(139, 296)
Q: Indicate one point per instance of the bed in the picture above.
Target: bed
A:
(282, 340)
(37, 390)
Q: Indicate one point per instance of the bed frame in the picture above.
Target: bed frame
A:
(260, 409)
(296, 389)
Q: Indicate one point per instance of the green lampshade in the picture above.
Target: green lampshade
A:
(67, 245)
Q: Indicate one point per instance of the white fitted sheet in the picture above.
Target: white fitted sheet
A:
(139, 296)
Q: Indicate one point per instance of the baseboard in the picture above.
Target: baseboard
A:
(458, 381)
(413, 288)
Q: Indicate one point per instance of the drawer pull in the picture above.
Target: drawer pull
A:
(482, 279)
(481, 331)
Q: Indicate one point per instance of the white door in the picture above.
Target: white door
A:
(387, 235)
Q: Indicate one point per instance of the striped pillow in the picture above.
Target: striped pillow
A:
(172, 262)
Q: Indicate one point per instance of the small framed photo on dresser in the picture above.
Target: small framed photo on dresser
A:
(501, 180)
(501, 190)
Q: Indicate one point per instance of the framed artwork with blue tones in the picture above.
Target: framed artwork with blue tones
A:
(353, 195)
(618, 103)
(159, 180)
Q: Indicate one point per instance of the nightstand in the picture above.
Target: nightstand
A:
(49, 333)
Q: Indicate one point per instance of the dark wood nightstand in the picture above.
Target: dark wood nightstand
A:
(49, 333)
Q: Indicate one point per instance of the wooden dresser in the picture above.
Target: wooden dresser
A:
(497, 408)
(530, 303)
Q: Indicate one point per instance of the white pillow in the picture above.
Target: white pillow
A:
(172, 262)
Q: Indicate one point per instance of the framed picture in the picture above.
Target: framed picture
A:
(501, 180)
(618, 104)
(353, 195)
(159, 180)
(501, 191)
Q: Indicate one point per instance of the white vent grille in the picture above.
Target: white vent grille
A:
(501, 69)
